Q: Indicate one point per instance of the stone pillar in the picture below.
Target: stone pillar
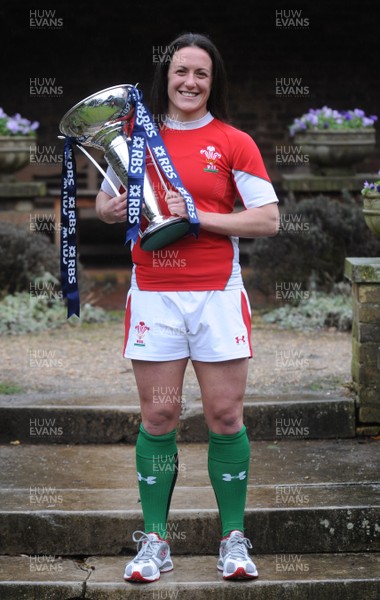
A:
(364, 274)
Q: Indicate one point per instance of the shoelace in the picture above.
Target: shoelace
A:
(144, 545)
(237, 547)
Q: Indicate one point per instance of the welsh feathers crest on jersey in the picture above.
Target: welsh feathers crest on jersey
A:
(211, 157)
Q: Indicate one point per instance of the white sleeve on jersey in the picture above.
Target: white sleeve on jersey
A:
(105, 187)
(254, 191)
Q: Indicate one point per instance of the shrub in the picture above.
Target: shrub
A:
(22, 313)
(26, 257)
(317, 311)
(316, 235)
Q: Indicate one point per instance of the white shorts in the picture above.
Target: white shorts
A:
(208, 326)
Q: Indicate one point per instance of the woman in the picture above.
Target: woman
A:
(193, 304)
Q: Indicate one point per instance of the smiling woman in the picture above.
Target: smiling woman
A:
(189, 302)
(189, 84)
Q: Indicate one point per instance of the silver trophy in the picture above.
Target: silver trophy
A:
(98, 121)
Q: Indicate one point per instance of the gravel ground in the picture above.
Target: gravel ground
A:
(87, 360)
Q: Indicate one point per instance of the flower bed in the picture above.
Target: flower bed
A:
(326, 118)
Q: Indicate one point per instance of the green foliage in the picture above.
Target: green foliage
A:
(22, 313)
(9, 388)
(28, 258)
(317, 311)
(316, 235)
(24, 257)
(30, 291)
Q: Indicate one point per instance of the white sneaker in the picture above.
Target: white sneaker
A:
(152, 559)
(233, 557)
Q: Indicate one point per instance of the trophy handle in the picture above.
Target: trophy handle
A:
(102, 171)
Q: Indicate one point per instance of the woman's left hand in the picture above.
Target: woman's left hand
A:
(176, 204)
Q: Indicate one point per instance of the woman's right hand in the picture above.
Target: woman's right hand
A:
(111, 210)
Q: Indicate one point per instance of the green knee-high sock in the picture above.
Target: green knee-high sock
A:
(157, 468)
(228, 465)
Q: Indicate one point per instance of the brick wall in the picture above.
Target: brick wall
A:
(333, 54)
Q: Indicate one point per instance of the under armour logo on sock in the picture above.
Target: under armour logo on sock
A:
(150, 480)
(227, 477)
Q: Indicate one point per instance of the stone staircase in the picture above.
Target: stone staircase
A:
(70, 503)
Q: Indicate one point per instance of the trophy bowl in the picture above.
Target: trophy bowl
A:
(88, 118)
(99, 121)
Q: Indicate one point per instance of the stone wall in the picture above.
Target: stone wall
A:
(364, 274)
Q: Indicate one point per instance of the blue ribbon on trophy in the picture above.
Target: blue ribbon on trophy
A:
(68, 241)
(143, 121)
(136, 173)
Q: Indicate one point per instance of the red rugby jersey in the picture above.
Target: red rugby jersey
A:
(209, 160)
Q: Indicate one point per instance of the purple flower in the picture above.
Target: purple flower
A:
(347, 115)
(16, 125)
(359, 113)
(373, 186)
(328, 118)
(312, 119)
(13, 126)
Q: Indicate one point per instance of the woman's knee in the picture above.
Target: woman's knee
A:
(161, 420)
(225, 421)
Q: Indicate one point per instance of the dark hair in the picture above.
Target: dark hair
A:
(217, 103)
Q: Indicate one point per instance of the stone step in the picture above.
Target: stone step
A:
(304, 496)
(116, 418)
(287, 576)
